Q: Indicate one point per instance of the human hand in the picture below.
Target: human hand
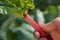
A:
(53, 28)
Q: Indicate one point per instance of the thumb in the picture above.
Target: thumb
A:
(43, 26)
(51, 26)
(47, 27)
(54, 25)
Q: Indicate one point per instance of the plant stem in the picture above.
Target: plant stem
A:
(35, 26)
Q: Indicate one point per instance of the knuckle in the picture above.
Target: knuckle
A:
(57, 19)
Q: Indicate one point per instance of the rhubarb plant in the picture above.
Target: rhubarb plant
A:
(19, 8)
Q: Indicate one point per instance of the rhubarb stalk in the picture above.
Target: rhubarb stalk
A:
(36, 26)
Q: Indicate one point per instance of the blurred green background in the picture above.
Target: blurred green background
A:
(14, 28)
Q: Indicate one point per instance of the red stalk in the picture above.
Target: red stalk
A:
(36, 26)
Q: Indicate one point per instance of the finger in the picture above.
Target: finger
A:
(57, 24)
(43, 26)
(37, 34)
(52, 26)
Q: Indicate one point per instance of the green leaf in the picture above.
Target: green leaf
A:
(3, 10)
(18, 7)
(51, 14)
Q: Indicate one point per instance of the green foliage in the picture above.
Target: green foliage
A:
(9, 30)
(2, 10)
(51, 13)
(17, 7)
